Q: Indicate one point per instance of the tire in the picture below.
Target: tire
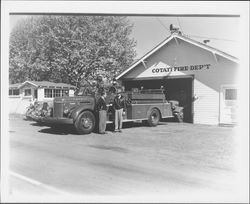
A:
(85, 123)
(154, 117)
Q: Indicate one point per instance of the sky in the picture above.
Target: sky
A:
(149, 31)
(222, 32)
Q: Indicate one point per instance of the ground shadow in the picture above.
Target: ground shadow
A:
(60, 130)
(125, 125)
(70, 129)
(38, 124)
(111, 148)
(169, 120)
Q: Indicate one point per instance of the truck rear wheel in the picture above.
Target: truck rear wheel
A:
(154, 117)
(85, 122)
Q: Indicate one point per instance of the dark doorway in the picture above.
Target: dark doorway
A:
(35, 93)
(179, 89)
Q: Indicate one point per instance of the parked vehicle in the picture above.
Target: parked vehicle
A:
(80, 111)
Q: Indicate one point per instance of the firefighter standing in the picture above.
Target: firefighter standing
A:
(119, 106)
(102, 109)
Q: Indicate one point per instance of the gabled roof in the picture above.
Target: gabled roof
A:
(44, 84)
(209, 48)
(177, 36)
(51, 84)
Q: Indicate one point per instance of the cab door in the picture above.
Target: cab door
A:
(228, 105)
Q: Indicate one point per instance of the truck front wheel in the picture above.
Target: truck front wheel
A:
(154, 117)
(85, 122)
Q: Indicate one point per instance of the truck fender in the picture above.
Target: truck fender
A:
(79, 110)
(150, 109)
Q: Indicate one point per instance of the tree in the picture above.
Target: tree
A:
(70, 49)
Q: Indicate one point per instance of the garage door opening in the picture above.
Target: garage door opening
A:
(179, 89)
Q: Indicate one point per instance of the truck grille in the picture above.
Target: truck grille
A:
(58, 109)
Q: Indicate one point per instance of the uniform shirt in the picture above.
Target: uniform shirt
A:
(101, 104)
(119, 102)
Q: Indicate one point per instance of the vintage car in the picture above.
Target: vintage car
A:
(80, 111)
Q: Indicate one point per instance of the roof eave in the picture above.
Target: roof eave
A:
(27, 82)
(145, 56)
(209, 49)
(165, 42)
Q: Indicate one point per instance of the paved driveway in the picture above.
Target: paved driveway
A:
(170, 158)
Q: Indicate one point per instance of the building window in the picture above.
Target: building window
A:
(57, 92)
(27, 92)
(14, 92)
(51, 93)
(48, 93)
(231, 94)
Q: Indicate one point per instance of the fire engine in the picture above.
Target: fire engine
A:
(141, 105)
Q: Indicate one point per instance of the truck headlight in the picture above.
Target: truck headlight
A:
(66, 111)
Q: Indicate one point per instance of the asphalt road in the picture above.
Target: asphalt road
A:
(169, 158)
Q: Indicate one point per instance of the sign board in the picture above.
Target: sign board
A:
(161, 69)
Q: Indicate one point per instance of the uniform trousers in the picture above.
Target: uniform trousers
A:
(102, 121)
(118, 119)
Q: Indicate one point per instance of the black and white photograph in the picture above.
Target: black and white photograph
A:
(125, 101)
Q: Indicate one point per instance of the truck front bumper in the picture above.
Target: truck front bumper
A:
(52, 120)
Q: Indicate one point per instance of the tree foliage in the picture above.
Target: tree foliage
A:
(70, 49)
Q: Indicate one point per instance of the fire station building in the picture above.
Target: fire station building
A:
(202, 78)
